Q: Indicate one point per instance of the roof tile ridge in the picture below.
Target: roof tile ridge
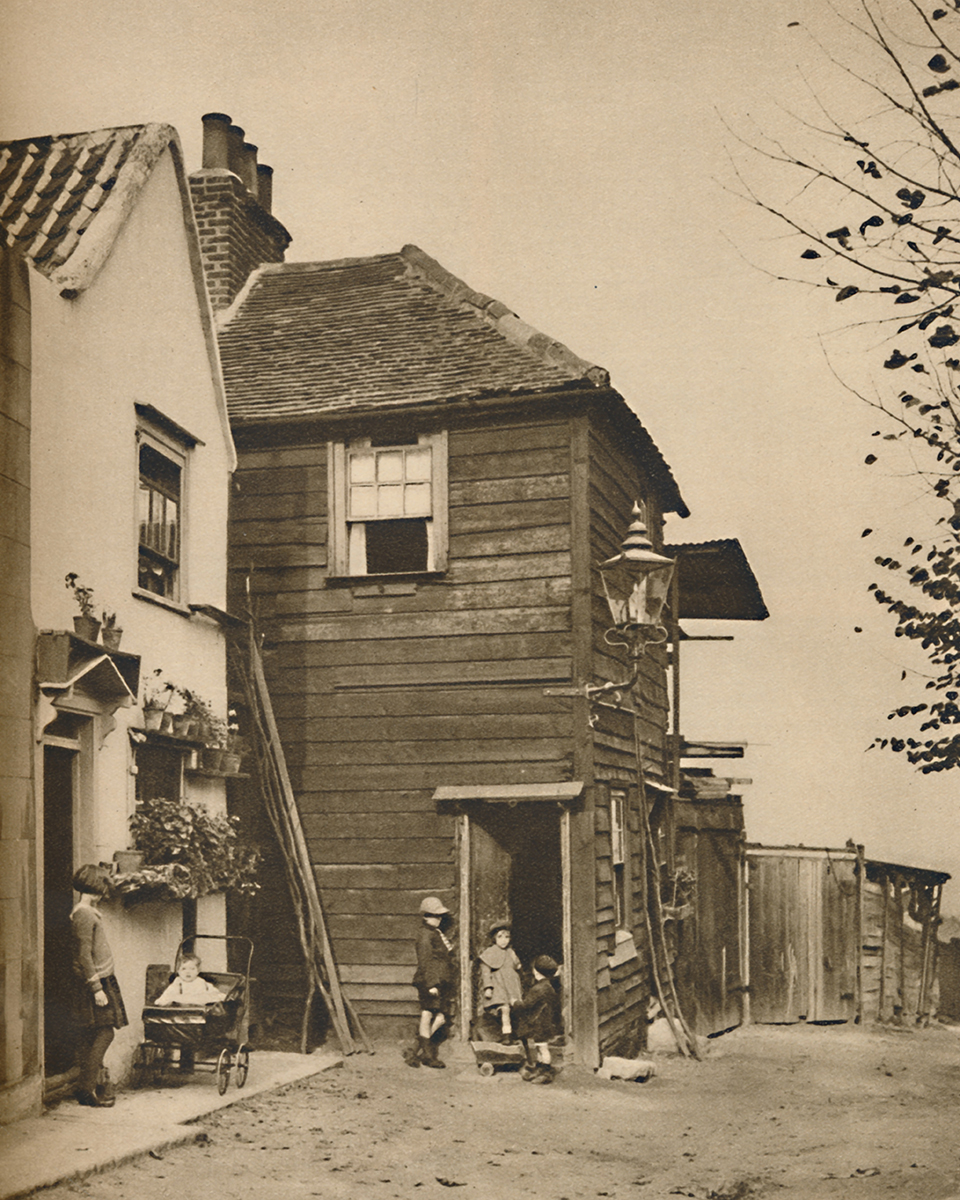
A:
(83, 265)
(334, 264)
(506, 322)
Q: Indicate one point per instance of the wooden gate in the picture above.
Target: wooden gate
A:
(709, 959)
(803, 922)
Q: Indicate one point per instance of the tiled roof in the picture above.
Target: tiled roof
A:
(63, 198)
(306, 339)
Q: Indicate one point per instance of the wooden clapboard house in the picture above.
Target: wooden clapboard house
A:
(426, 486)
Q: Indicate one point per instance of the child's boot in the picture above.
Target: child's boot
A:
(104, 1091)
(429, 1053)
(542, 1073)
(411, 1054)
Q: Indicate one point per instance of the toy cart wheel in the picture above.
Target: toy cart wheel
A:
(242, 1065)
(485, 1069)
(223, 1070)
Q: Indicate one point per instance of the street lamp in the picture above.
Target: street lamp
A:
(636, 583)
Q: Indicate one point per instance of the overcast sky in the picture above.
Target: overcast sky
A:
(572, 160)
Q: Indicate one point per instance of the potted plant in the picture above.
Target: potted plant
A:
(213, 731)
(156, 696)
(86, 625)
(236, 746)
(196, 714)
(187, 852)
(110, 632)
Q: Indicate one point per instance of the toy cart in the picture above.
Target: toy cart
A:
(490, 1055)
(212, 1035)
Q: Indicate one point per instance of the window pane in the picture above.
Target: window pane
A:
(394, 547)
(361, 468)
(417, 499)
(418, 463)
(363, 502)
(390, 501)
(390, 466)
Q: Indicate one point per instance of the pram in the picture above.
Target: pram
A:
(213, 1035)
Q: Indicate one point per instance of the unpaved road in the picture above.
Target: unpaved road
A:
(803, 1113)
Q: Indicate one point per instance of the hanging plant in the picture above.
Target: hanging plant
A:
(187, 852)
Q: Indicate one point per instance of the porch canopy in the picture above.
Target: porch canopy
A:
(511, 793)
(715, 582)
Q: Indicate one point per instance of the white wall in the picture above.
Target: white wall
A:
(134, 337)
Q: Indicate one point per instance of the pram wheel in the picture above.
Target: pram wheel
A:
(223, 1070)
(486, 1069)
(242, 1065)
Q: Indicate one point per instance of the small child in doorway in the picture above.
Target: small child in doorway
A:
(500, 977)
(538, 1020)
(188, 989)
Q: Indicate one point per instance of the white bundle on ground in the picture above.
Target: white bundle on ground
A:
(639, 1069)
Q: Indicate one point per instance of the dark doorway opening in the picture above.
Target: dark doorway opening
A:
(59, 784)
(516, 874)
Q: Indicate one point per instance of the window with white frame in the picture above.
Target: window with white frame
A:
(388, 506)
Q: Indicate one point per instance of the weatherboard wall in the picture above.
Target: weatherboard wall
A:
(385, 691)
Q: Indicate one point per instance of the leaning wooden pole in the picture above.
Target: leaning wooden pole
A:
(299, 843)
(270, 782)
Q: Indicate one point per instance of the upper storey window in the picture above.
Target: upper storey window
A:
(163, 456)
(389, 507)
(160, 503)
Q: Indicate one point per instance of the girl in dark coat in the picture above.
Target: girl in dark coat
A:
(434, 981)
(538, 1020)
(100, 1005)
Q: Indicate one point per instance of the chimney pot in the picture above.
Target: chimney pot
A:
(235, 156)
(248, 165)
(216, 140)
(265, 186)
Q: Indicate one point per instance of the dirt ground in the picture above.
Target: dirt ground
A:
(804, 1113)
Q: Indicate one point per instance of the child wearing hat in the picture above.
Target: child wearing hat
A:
(538, 1020)
(500, 976)
(434, 981)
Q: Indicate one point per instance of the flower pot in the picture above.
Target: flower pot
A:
(183, 726)
(86, 627)
(230, 763)
(128, 861)
(212, 758)
(166, 723)
(111, 638)
(152, 718)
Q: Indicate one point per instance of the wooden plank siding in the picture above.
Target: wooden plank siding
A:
(385, 690)
(381, 697)
(615, 480)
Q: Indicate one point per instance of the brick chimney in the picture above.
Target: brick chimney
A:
(232, 195)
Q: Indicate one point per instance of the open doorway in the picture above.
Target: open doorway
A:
(60, 767)
(515, 873)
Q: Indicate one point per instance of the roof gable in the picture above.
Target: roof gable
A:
(64, 198)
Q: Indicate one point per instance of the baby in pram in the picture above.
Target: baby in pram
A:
(189, 989)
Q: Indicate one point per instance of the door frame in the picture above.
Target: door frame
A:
(464, 838)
